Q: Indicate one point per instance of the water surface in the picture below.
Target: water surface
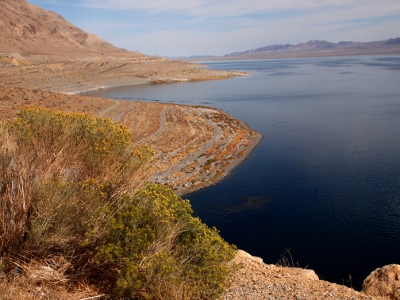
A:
(325, 180)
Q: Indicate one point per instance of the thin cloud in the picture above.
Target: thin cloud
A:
(218, 27)
(225, 8)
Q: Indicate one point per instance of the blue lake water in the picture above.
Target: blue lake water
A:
(325, 180)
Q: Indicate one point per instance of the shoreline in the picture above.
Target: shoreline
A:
(204, 144)
(217, 142)
(77, 90)
(181, 169)
(79, 76)
(255, 139)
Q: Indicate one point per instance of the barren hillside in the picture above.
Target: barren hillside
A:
(30, 30)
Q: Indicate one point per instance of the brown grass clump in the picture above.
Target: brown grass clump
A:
(41, 279)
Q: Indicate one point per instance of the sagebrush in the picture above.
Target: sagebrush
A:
(72, 191)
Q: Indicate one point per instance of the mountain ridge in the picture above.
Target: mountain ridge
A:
(323, 48)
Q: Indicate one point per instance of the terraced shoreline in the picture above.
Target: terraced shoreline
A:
(196, 146)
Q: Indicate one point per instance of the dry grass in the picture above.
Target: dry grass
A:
(21, 288)
(43, 279)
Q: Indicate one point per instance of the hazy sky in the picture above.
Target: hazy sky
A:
(217, 27)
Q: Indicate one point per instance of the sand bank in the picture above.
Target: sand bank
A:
(80, 76)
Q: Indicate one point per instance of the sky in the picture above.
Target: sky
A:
(173, 28)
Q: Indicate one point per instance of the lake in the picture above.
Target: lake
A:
(325, 180)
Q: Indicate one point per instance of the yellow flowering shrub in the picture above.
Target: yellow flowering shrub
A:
(162, 246)
(48, 161)
(72, 186)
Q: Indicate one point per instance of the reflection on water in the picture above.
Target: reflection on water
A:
(255, 203)
(325, 180)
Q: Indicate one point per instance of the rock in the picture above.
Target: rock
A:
(306, 273)
(384, 282)
(244, 254)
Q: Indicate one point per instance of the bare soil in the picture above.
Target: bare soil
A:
(74, 76)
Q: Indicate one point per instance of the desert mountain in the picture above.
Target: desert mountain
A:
(30, 30)
(39, 49)
(321, 48)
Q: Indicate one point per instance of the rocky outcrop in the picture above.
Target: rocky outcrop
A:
(243, 256)
(305, 273)
(383, 282)
(257, 280)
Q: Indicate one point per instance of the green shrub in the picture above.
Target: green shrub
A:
(162, 246)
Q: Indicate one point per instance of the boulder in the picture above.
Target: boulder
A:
(246, 256)
(307, 273)
(384, 282)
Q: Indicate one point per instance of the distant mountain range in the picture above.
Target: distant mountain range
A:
(192, 57)
(320, 48)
